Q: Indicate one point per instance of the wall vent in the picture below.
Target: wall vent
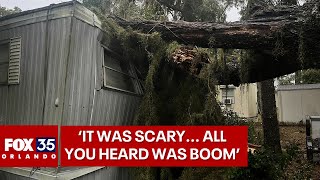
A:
(14, 61)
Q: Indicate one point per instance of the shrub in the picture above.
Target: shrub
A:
(266, 164)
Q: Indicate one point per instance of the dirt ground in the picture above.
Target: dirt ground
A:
(293, 134)
(296, 135)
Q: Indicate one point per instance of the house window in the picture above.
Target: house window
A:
(118, 74)
(227, 95)
(4, 62)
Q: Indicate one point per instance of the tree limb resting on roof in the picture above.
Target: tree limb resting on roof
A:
(282, 40)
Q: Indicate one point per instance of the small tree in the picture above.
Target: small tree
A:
(287, 79)
(5, 11)
(310, 76)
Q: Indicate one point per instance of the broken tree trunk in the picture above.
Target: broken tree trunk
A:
(261, 31)
(288, 36)
(251, 34)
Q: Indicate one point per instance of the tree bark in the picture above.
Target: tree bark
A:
(258, 32)
(269, 115)
(239, 35)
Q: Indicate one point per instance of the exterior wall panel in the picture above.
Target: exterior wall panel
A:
(295, 105)
(58, 42)
(23, 103)
(244, 100)
(72, 92)
(80, 79)
(84, 85)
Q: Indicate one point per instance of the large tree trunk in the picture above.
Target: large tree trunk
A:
(257, 33)
(269, 115)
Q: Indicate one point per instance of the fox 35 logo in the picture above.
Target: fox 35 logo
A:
(27, 144)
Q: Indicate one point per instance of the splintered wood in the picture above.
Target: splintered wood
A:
(189, 59)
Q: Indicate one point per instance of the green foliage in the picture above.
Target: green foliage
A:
(224, 66)
(143, 173)
(263, 165)
(290, 164)
(5, 11)
(123, 8)
(298, 167)
(153, 10)
(171, 48)
(279, 49)
(310, 76)
(204, 10)
(286, 80)
(189, 10)
(149, 50)
(203, 173)
(212, 111)
(126, 9)
(247, 60)
(232, 119)
(292, 150)
(187, 99)
(104, 6)
(148, 110)
(308, 54)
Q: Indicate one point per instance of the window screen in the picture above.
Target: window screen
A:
(118, 80)
(117, 74)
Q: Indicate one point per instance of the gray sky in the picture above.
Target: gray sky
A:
(232, 13)
(28, 4)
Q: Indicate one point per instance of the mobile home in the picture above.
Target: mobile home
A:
(296, 102)
(55, 69)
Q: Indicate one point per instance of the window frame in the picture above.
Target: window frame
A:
(105, 67)
(2, 42)
(226, 94)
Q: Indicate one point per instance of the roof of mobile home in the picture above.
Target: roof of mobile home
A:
(53, 11)
(298, 87)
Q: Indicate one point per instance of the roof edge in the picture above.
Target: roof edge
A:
(51, 12)
(51, 6)
(298, 87)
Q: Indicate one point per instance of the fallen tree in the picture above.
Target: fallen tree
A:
(251, 34)
(281, 39)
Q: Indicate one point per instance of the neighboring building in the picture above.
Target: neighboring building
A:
(55, 69)
(242, 99)
(295, 102)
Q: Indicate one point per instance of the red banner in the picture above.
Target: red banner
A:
(168, 146)
(28, 146)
